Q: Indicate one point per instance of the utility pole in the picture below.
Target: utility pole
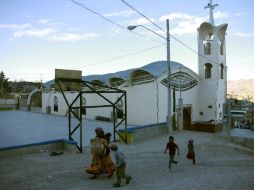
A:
(169, 122)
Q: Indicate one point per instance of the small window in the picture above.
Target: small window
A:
(201, 113)
(115, 82)
(97, 84)
(141, 76)
(221, 47)
(210, 106)
(221, 70)
(55, 104)
(208, 70)
(208, 44)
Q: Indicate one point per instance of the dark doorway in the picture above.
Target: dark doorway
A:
(187, 118)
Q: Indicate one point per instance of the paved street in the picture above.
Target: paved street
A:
(22, 127)
(220, 164)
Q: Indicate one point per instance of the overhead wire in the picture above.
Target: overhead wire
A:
(188, 47)
(112, 22)
(123, 56)
(122, 27)
(133, 8)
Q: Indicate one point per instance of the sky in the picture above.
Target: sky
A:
(37, 37)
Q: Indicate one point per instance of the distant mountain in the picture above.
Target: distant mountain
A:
(241, 89)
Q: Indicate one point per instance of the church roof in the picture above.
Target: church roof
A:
(156, 69)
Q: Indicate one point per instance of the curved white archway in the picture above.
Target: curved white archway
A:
(29, 98)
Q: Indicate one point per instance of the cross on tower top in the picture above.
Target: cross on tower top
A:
(211, 6)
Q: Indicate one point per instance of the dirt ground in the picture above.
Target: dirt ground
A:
(220, 165)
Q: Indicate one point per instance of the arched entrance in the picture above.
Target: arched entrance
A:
(187, 118)
(29, 98)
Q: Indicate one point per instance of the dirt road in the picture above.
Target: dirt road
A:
(220, 165)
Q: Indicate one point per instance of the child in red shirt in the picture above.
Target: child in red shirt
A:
(171, 146)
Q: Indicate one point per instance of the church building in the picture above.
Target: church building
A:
(196, 98)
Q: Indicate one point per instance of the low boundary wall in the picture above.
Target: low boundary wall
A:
(46, 146)
(206, 127)
(245, 141)
(146, 131)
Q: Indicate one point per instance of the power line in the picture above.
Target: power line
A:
(103, 17)
(112, 22)
(133, 8)
(123, 56)
(188, 47)
(193, 50)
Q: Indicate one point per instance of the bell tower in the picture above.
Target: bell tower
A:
(212, 68)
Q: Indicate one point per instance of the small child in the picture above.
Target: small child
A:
(191, 152)
(120, 166)
(171, 146)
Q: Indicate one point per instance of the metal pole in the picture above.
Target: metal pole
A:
(80, 121)
(169, 80)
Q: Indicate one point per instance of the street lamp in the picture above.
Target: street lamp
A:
(132, 27)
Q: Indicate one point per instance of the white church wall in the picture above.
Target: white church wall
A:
(221, 98)
(96, 100)
(45, 101)
(142, 104)
(48, 101)
(189, 99)
(207, 100)
(90, 99)
(162, 102)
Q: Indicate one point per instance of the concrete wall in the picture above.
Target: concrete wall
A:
(42, 147)
(95, 100)
(146, 102)
(207, 98)
(137, 133)
(7, 101)
(48, 100)
(142, 104)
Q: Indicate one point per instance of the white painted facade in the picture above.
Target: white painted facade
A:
(203, 94)
(146, 101)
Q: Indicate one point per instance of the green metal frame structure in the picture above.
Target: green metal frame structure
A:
(91, 89)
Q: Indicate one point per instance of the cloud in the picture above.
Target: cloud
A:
(120, 13)
(182, 23)
(71, 37)
(175, 16)
(241, 14)
(249, 59)
(48, 33)
(46, 22)
(114, 30)
(220, 15)
(241, 34)
(43, 21)
(34, 32)
(14, 26)
(140, 21)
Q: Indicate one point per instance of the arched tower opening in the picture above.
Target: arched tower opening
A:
(208, 70)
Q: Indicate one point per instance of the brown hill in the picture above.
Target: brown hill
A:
(241, 89)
